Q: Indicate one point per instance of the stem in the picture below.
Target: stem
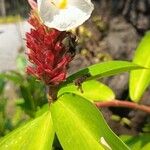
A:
(52, 93)
(127, 104)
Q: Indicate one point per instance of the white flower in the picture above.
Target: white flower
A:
(64, 14)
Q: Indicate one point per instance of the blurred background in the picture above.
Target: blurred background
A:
(13, 15)
(113, 32)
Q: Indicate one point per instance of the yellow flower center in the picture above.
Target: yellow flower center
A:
(63, 4)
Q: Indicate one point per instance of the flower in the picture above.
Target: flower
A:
(48, 52)
(64, 14)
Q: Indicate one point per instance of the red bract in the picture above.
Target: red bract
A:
(47, 53)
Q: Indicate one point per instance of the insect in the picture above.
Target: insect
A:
(70, 44)
(78, 82)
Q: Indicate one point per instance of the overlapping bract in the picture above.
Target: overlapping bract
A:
(47, 53)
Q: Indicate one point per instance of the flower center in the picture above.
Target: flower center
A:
(61, 4)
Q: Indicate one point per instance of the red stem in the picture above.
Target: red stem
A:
(127, 104)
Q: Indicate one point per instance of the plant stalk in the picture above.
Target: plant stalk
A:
(52, 93)
(126, 104)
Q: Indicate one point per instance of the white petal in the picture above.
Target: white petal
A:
(84, 5)
(46, 9)
(77, 12)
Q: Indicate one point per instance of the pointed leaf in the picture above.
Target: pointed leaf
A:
(79, 125)
(92, 90)
(104, 69)
(140, 79)
(37, 134)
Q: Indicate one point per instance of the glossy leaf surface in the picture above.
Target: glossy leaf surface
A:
(104, 69)
(92, 90)
(140, 79)
(79, 125)
(37, 134)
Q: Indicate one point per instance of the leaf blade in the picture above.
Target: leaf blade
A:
(92, 90)
(140, 79)
(79, 125)
(37, 134)
(104, 69)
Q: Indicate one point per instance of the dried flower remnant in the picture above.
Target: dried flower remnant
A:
(47, 52)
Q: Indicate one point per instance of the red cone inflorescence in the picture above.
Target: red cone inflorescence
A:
(48, 53)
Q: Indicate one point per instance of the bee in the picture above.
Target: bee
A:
(78, 82)
(70, 44)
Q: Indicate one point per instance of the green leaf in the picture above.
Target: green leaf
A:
(37, 134)
(140, 142)
(92, 90)
(12, 76)
(42, 110)
(21, 63)
(103, 70)
(2, 86)
(140, 79)
(146, 147)
(79, 125)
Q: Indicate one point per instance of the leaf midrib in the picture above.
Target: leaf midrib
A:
(84, 125)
